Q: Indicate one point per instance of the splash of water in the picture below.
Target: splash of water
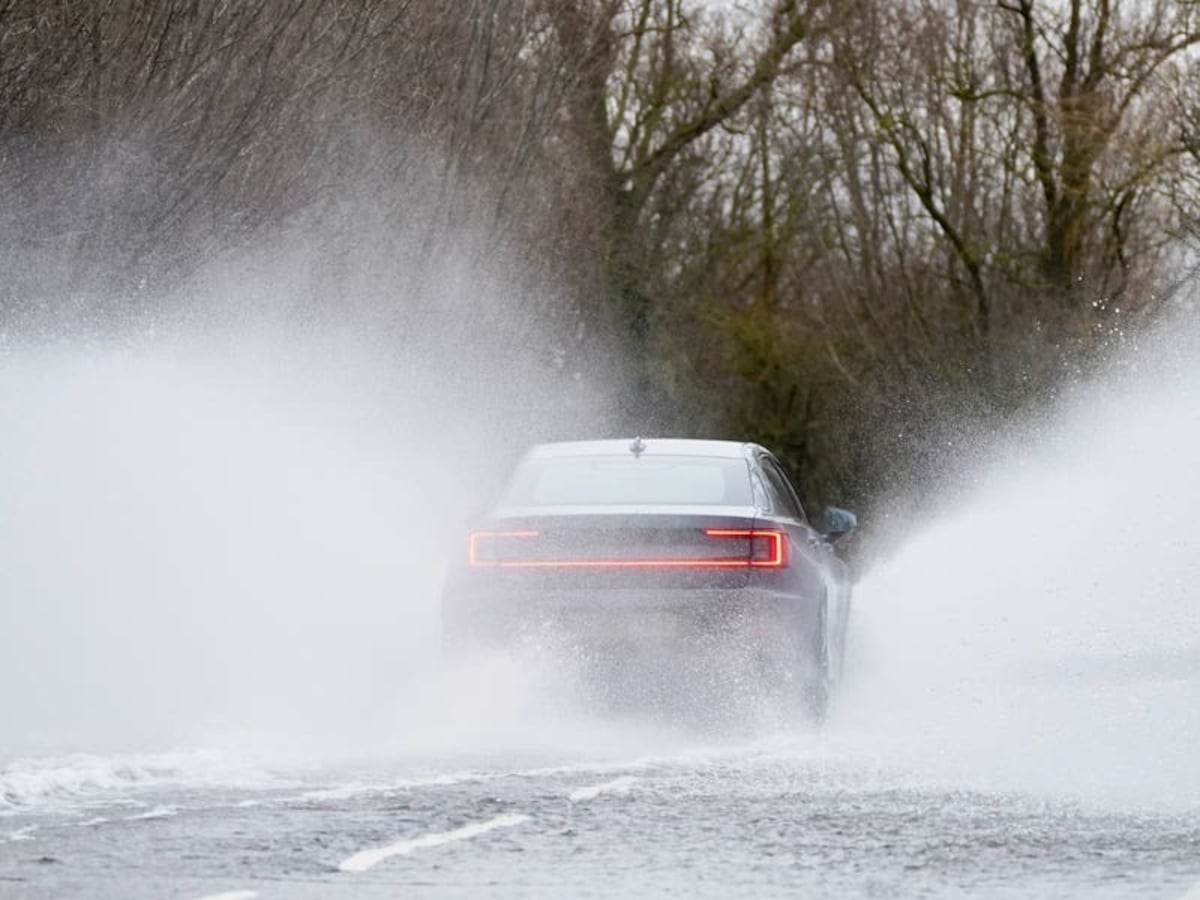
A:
(236, 550)
(200, 540)
(1046, 636)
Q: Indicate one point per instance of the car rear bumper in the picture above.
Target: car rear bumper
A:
(753, 616)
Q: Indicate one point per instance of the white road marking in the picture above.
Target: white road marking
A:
(365, 859)
(232, 895)
(1193, 892)
(159, 812)
(23, 834)
(616, 786)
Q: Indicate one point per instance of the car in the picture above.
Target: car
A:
(659, 545)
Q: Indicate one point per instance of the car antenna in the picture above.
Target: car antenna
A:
(638, 447)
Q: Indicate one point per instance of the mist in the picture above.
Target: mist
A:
(229, 526)
(182, 534)
(239, 545)
(1041, 634)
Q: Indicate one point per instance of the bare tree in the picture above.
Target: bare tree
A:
(652, 84)
(803, 221)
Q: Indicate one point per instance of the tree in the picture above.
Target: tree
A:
(651, 85)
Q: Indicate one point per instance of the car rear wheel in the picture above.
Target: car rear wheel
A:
(816, 696)
(796, 673)
(817, 689)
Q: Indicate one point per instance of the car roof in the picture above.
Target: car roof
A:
(651, 447)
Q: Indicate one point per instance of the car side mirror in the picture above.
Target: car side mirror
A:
(837, 523)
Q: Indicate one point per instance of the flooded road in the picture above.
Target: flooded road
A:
(770, 820)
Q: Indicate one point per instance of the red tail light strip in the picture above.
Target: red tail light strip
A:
(774, 556)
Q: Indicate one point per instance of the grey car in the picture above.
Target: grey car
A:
(657, 546)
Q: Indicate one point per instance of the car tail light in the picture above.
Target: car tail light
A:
(768, 549)
(523, 550)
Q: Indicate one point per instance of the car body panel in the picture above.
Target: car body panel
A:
(605, 574)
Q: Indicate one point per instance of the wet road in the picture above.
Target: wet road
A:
(738, 822)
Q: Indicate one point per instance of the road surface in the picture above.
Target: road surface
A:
(771, 817)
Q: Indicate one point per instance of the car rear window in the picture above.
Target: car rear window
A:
(617, 481)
